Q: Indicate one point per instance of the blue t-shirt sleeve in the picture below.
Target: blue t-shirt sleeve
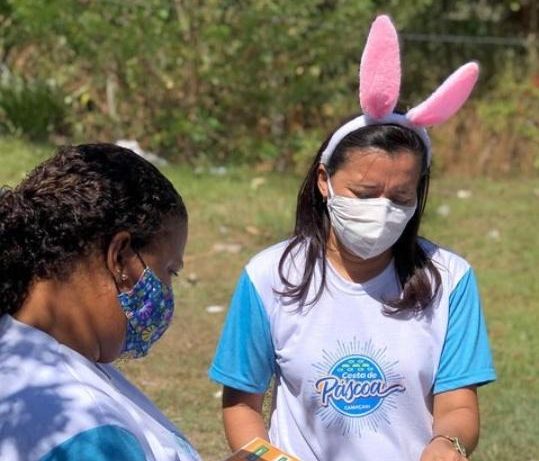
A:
(103, 443)
(244, 359)
(466, 359)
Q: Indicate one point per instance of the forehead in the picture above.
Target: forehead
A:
(170, 241)
(377, 165)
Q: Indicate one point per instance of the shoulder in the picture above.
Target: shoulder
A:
(283, 257)
(264, 266)
(268, 257)
(47, 395)
(451, 265)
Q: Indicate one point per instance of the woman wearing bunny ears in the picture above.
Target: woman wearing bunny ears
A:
(375, 337)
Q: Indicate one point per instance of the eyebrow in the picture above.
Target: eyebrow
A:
(404, 190)
(364, 186)
(367, 186)
(401, 192)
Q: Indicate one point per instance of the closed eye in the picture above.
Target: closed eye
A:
(176, 272)
(371, 193)
(402, 201)
(366, 195)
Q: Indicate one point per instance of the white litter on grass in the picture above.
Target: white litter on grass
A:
(464, 193)
(227, 248)
(257, 182)
(214, 309)
(218, 394)
(218, 170)
(443, 210)
(135, 147)
(253, 230)
(494, 234)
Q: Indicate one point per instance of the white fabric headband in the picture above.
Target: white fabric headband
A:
(365, 120)
(379, 88)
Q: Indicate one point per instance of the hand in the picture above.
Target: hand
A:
(441, 449)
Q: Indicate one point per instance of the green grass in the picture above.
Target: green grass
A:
(17, 157)
(496, 229)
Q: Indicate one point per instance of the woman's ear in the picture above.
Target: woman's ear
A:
(118, 253)
(322, 181)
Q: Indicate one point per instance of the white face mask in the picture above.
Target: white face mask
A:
(367, 227)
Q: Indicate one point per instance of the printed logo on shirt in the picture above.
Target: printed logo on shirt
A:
(356, 386)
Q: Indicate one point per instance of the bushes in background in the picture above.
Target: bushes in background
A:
(212, 81)
(32, 109)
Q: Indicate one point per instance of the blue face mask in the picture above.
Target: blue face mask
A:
(148, 306)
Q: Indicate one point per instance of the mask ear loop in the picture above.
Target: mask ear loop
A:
(331, 194)
(116, 283)
(141, 260)
(124, 277)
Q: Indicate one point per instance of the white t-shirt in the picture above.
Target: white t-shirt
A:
(57, 405)
(351, 382)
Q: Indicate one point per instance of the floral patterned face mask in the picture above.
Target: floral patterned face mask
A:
(148, 306)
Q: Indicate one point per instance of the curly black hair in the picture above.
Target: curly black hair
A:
(73, 204)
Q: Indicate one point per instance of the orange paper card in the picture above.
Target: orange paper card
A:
(260, 450)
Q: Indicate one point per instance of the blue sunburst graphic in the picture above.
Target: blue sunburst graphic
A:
(355, 387)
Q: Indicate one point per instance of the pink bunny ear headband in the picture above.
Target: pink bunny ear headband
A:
(379, 78)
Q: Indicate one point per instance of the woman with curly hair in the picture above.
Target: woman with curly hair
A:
(89, 243)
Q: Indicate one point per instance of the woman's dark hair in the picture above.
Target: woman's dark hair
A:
(419, 278)
(72, 205)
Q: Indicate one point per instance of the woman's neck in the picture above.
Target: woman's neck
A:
(352, 267)
(56, 309)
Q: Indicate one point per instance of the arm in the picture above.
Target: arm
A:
(465, 364)
(456, 414)
(242, 417)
